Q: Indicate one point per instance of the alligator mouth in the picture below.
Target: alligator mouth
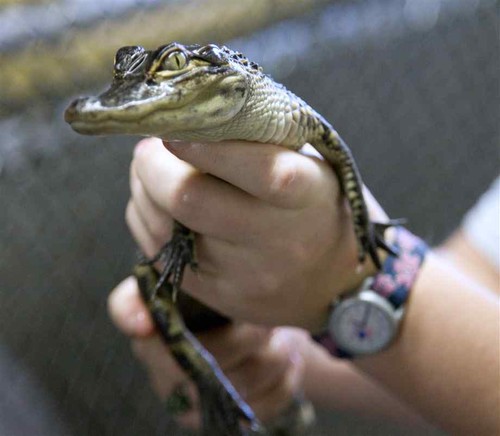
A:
(107, 127)
(87, 115)
(108, 122)
(91, 115)
(91, 110)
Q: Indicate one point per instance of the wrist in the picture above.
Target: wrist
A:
(367, 320)
(344, 273)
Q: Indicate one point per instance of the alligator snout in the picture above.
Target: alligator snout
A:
(78, 108)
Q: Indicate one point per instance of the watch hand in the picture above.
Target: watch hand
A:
(366, 315)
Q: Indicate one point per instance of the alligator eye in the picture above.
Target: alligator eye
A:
(176, 60)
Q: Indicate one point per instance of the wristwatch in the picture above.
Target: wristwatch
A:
(367, 320)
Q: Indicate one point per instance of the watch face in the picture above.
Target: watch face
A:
(363, 324)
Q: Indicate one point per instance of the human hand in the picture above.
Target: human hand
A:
(275, 242)
(262, 363)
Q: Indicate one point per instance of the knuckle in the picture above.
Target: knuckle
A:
(286, 181)
(185, 199)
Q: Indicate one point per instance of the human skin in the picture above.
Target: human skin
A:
(267, 366)
(274, 232)
(268, 220)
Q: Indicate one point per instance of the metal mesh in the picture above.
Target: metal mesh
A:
(413, 89)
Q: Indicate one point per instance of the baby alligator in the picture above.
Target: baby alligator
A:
(212, 93)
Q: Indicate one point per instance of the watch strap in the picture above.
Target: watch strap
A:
(398, 274)
(328, 342)
(393, 282)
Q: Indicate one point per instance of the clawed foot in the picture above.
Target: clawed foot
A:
(375, 239)
(175, 255)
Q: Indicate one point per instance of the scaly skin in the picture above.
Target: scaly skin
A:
(212, 93)
(223, 407)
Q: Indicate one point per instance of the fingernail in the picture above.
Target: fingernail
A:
(181, 146)
(175, 145)
(141, 144)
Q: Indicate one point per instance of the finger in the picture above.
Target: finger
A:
(201, 202)
(233, 344)
(309, 150)
(272, 173)
(190, 419)
(157, 220)
(374, 209)
(212, 254)
(262, 371)
(278, 398)
(164, 372)
(128, 311)
(140, 231)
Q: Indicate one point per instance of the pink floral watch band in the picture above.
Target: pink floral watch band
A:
(396, 278)
(393, 282)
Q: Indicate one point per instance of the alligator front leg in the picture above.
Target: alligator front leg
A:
(369, 235)
(176, 254)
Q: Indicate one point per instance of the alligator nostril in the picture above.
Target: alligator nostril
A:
(75, 108)
(69, 113)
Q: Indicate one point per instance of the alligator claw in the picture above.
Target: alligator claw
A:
(175, 254)
(376, 240)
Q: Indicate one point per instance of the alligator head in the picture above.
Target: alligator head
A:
(174, 91)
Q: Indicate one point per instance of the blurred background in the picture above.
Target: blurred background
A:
(412, 85)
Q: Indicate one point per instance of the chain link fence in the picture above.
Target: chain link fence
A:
(411, 85)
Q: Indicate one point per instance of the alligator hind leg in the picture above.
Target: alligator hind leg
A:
(224, 412)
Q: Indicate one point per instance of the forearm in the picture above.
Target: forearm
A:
(445, 363)
(336, 385)
(469, 260)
